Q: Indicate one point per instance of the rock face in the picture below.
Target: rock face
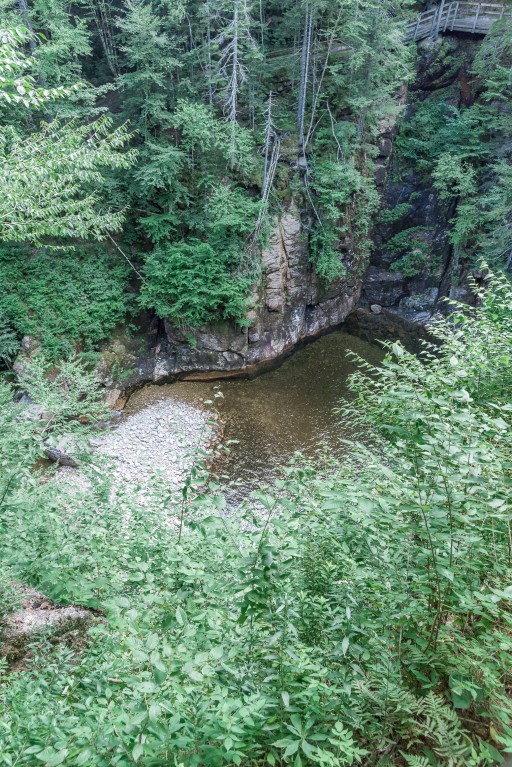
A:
(412, 207)
(287, 306)
(415, 296)
(387, 325)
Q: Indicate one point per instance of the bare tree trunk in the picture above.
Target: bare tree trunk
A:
(233, 39)
(304, 72)
(262, 26)
(103, 18)
(317, 90)
(209, 52)
(269, 132)
(26, 19)
(233, 98)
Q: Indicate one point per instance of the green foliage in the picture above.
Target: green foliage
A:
(437, 127)
(150, 57)
(230, 217)
(412, 246)
(495, 208)
(46, 181)
(17, 86)
(326, 253)
(196, 281)
(453, 177)
(10, 598)
(66, 393)
(65, 43)
(492, 66)
(193, 83)
(192, 284)
(391, 215)
(458, 150)
(351, 613)
(50, 179)
(345, 201)
(64, 299)
(348, 612)
(201, 130)
(366, 80)
(9, 341)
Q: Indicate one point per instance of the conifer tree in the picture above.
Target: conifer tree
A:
(236, 45)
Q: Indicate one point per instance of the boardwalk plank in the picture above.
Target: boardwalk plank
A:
(476, 18)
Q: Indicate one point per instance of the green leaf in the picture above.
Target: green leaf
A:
(292, 748)
(181, 616)
(154, 712)
(159, 675)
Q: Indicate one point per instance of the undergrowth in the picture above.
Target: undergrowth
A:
(350, 614)
(64, 298)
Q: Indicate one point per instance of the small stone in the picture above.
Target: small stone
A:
(376, 308)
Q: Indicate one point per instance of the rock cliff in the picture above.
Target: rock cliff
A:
(411, 205)
(288, 305)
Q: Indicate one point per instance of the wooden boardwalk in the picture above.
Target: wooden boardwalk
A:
(475, 18)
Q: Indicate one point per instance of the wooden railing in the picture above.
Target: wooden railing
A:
(476, 18)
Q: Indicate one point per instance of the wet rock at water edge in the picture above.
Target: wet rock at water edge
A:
(383, 287)
(419, 307)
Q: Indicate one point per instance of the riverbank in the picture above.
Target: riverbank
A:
(268, 419)
(151, 451)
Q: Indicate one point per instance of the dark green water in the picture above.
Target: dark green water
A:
(286, 410)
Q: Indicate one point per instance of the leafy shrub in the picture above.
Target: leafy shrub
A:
(205, 135)
(9, 341)
(413, 247)
(192, 284)
(10, 597)
(391, 215)
(345, 201)
(73, 391)
(326, 254)
(64, 298)
(437, 127)
(458, 149)
(354, 612)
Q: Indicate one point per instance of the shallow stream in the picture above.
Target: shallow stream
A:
(280, 412)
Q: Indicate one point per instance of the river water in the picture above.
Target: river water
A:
(280, 412)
